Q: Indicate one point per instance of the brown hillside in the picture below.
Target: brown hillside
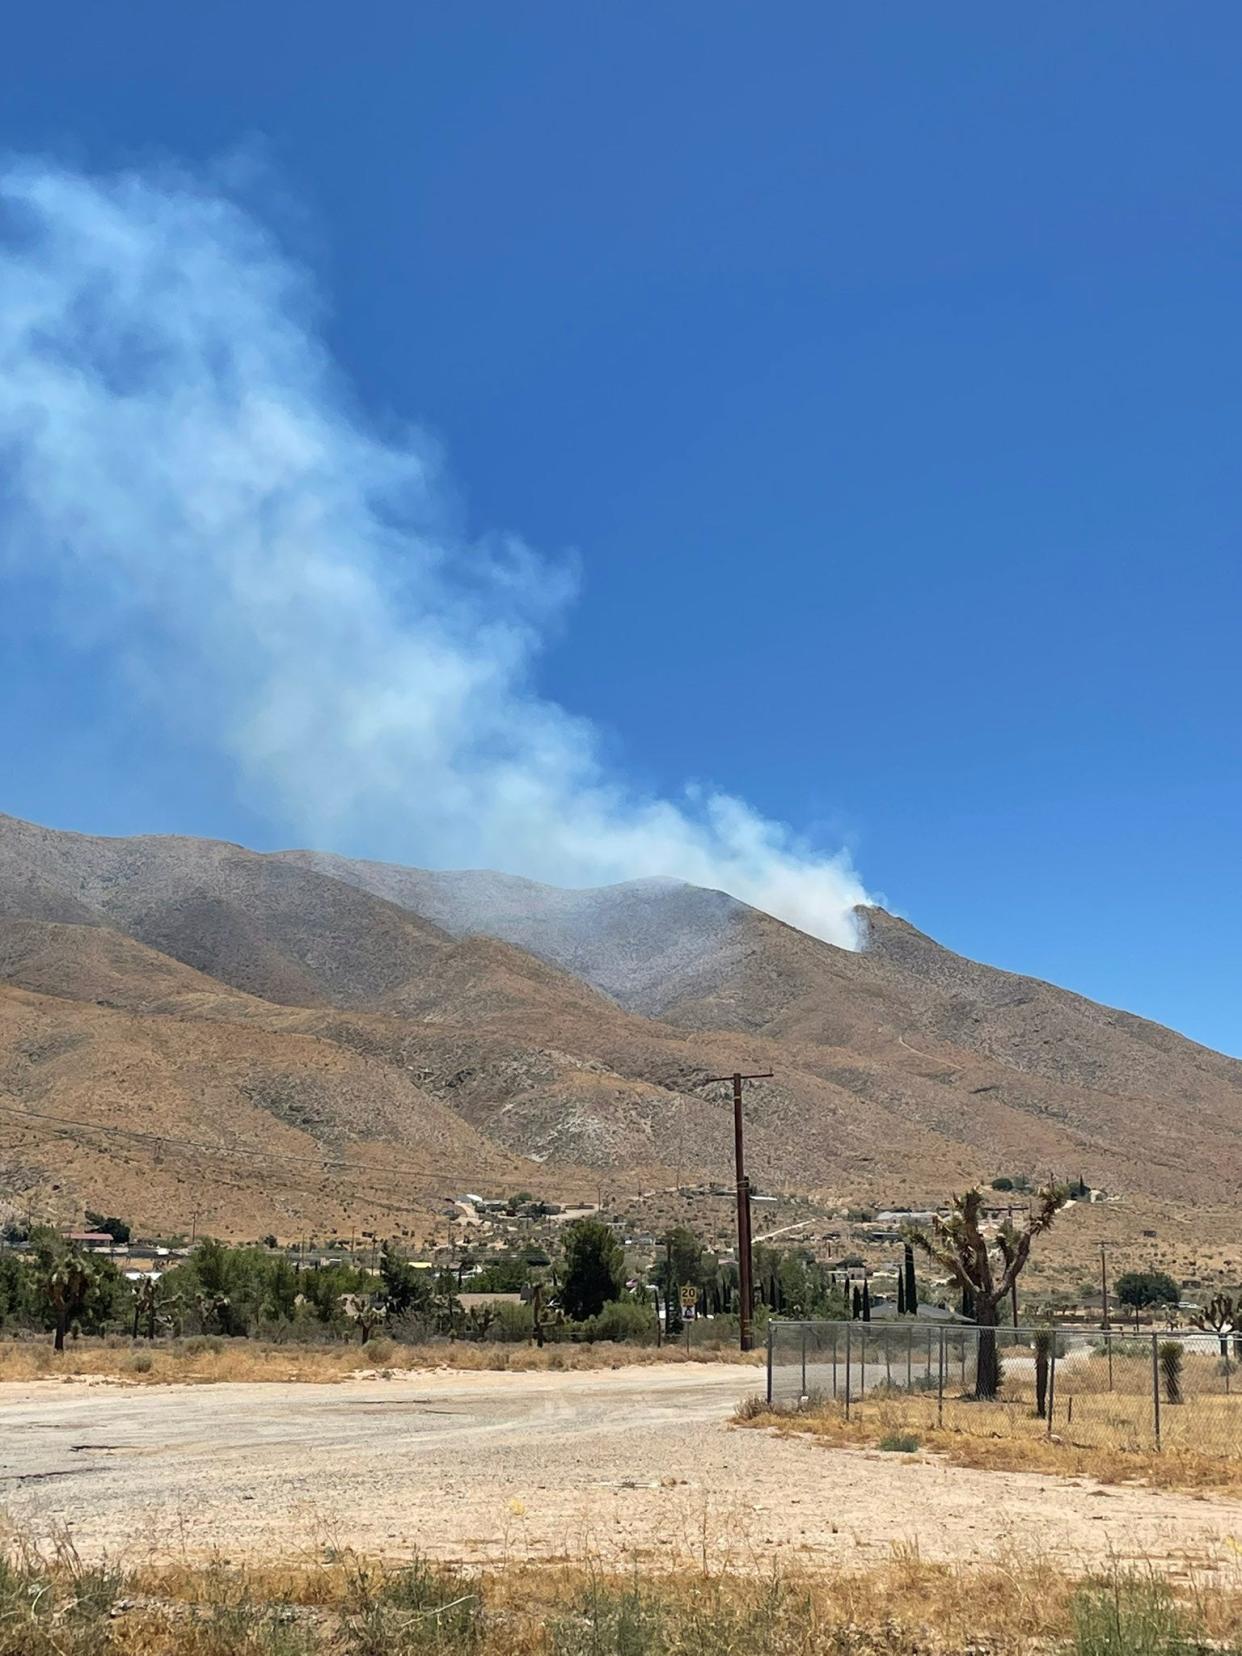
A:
(265, 997)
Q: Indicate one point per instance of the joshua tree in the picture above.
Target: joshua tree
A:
(1223, 1317)
(958, 1245)
(1043, 1353)
(146, 1306)
(69, 1281)
(1172, 1356)
(68, 1284)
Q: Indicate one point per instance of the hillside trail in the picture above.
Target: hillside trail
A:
(618, 1465)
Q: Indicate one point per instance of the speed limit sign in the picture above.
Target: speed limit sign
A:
(689, 1296)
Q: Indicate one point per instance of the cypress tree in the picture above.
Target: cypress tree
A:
(901, 1293)
(866, 1302)
(912, 1287)
(856, 1302)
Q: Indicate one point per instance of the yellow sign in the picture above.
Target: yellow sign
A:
(689, 1296)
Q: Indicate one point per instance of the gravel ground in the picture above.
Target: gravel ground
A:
(634, 1463)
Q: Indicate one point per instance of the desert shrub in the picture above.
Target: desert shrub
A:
(1130, 1615)
(627, 1320)
(899, 1443)
(750, 1408)
(420, 1608)
(511, 1324)
(204, 1345)
(141, 1362)
(638, 1620)
(62, 1611)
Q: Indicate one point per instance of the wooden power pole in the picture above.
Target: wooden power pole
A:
(746, 1301)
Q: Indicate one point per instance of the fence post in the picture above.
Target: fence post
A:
(1155, 1382)
(862, 1367)
(802, 1393)
(940, 1384)
(848, 1331)
(1052, 1381)
(769, 1362)
(834, 1362)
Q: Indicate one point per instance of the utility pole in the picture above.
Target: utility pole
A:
(1104, 1281)
(744, 1263)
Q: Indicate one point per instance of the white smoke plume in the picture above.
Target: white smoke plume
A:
(178, 453)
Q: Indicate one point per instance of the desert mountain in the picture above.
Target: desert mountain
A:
(316, 1040)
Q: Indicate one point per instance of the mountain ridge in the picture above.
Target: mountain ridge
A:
(902, 1069)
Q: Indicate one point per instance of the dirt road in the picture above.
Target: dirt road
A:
(635, 1463)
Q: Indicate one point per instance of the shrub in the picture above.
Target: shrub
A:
(625, 1320)
(511, 1324)
(899, 1443)
(1130, 1615)
(750, 1408)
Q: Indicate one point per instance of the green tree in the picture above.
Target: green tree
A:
(117, 1229)
(15, 1290)
(507, 1275)
(402, 1288)
(679, 1263)
(594, 1269)
(1141, 1289)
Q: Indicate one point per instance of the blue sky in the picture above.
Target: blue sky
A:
(878, 373)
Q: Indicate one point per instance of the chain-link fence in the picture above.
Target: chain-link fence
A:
(1096, 1388)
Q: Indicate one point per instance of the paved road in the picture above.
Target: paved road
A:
(634, 1463)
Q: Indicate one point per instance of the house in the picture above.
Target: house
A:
(90, 1238)
(473, 1302)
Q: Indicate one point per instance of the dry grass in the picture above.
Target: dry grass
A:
(208, 1360)
(345, 1604)
(1000, 1439)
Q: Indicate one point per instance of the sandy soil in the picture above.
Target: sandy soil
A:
(482, 1467)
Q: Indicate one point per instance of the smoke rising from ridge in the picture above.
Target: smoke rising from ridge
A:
(179, 454)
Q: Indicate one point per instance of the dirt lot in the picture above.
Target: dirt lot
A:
(475, 1467)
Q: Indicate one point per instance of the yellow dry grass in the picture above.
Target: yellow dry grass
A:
(1010, 1606)
(211, 1360)
(1002, 1438)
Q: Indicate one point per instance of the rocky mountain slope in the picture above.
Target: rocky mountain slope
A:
(323, 1042)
